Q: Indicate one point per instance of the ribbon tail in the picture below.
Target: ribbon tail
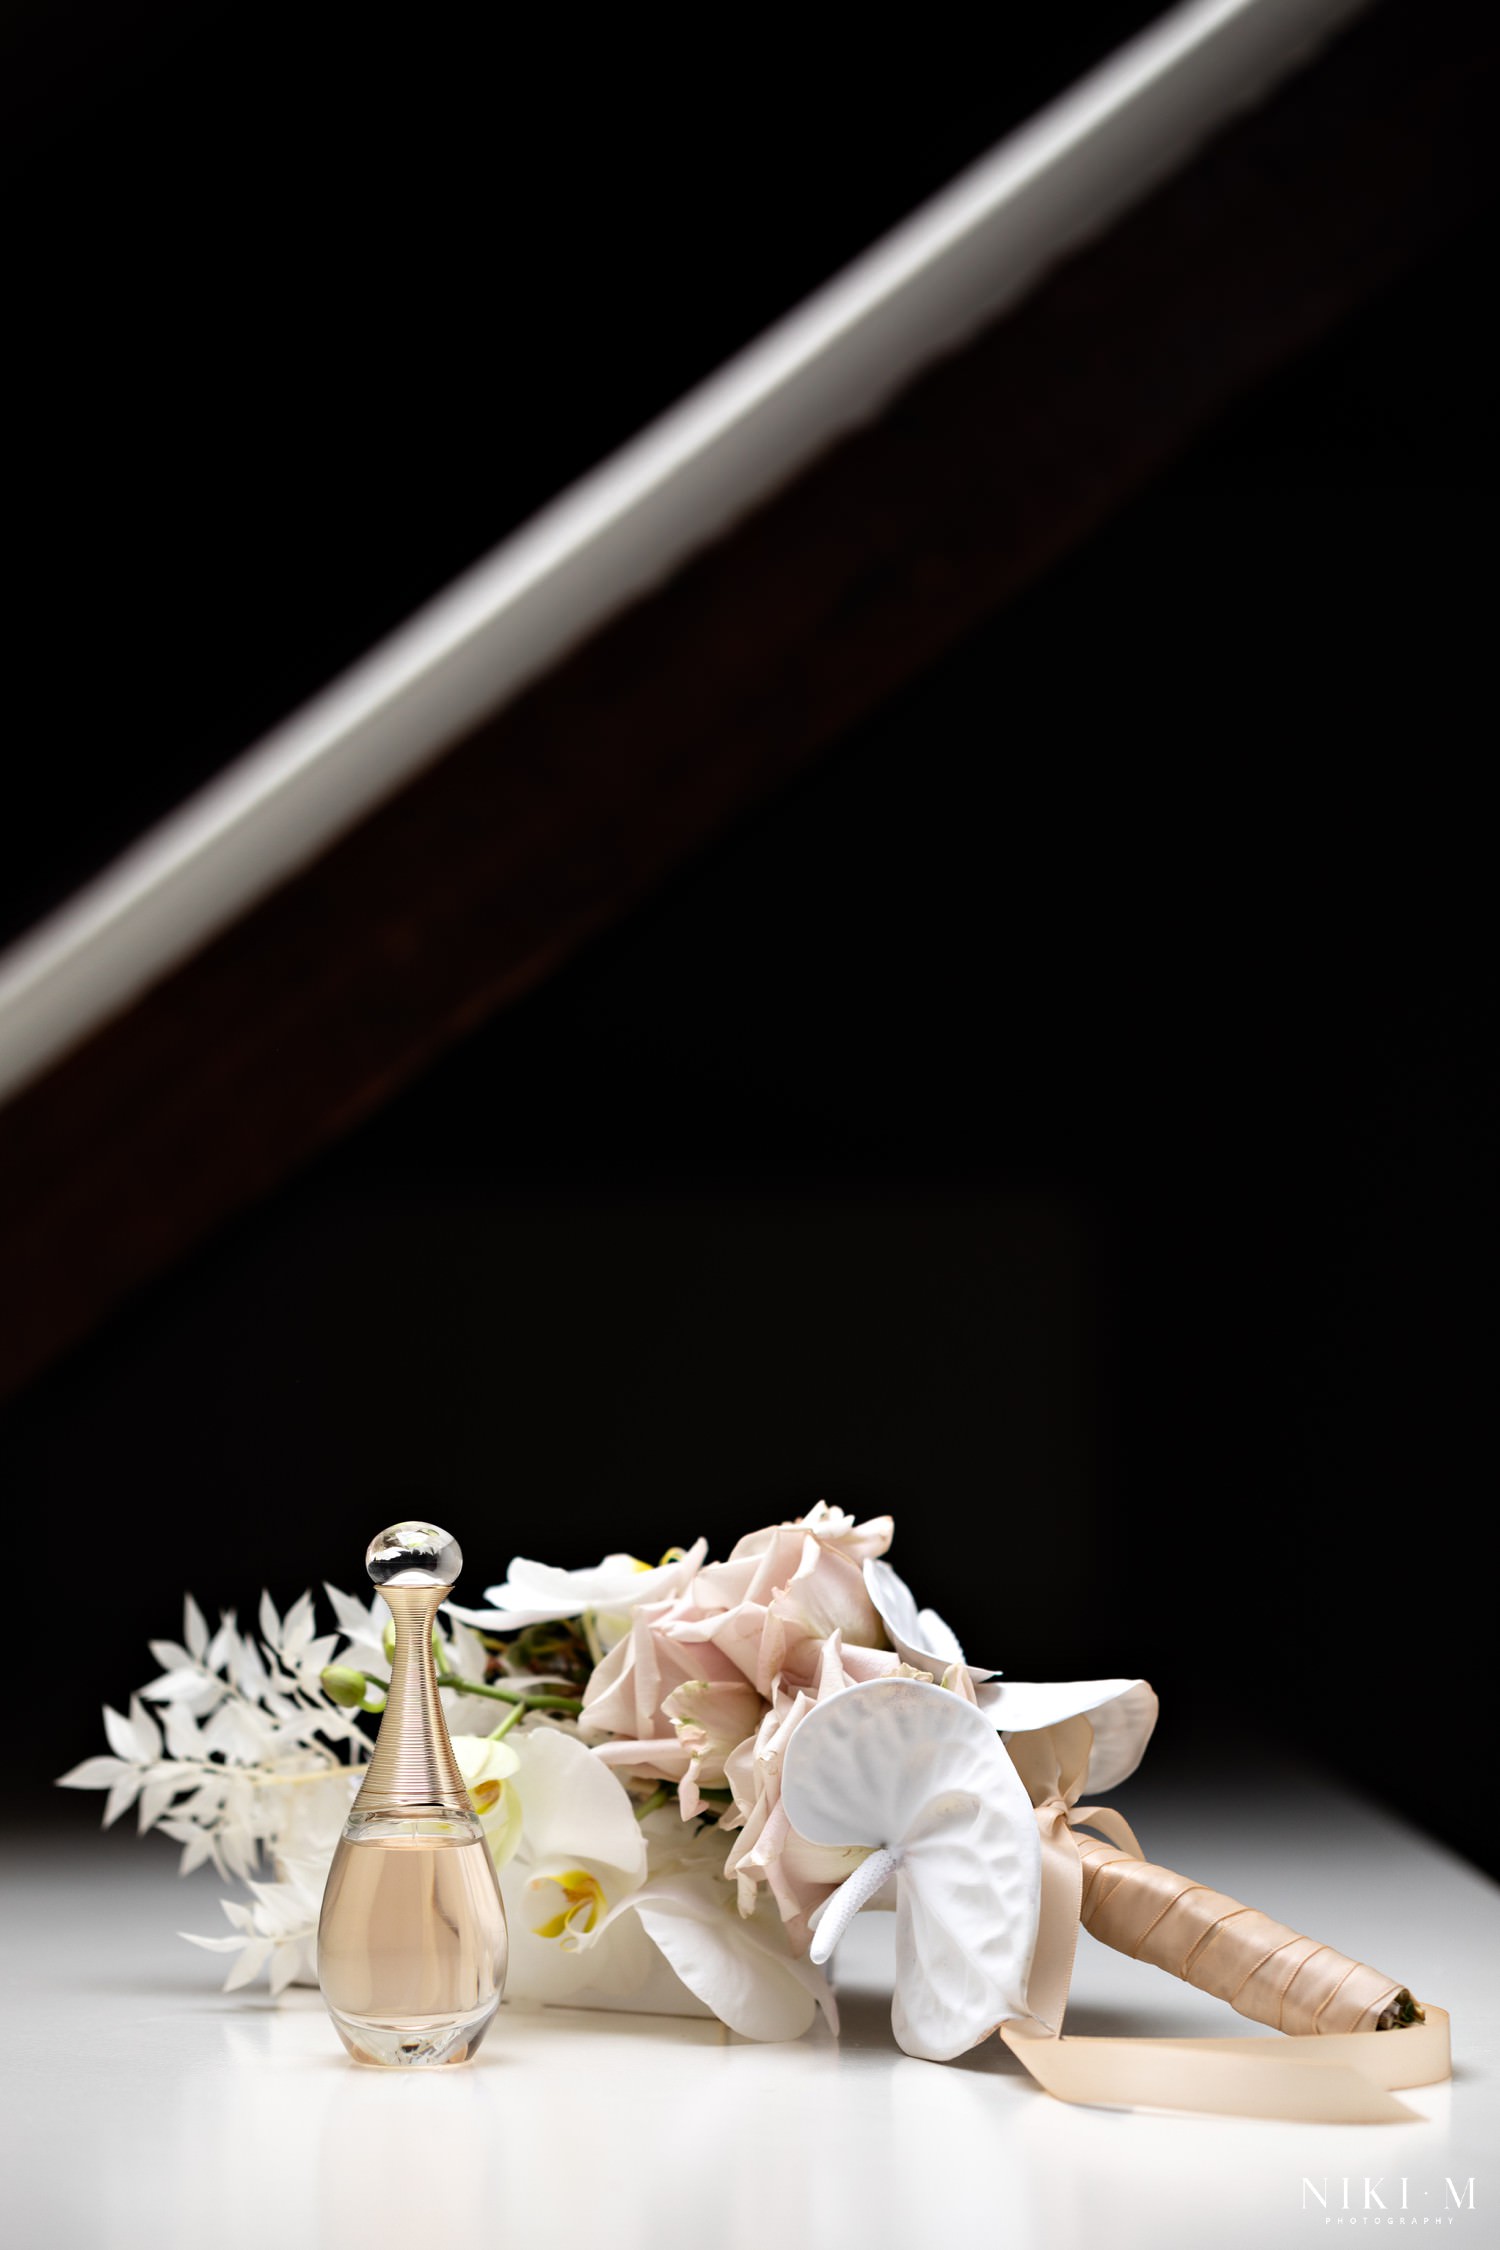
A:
(1057, 1924)
(1347, 2080)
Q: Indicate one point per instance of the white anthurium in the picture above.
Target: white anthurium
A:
(919, 1776)
(1122, 1713)
(535, 1593)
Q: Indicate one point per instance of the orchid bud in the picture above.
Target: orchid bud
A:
(344, 1686)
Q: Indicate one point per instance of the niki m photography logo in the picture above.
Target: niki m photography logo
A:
(1386, 2199)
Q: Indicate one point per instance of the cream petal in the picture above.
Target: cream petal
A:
(827, 1594)
(908, 1767)
(1122, 1728)
(837, 1528)
(721, 1586)
(738, 1634)
(662, 1756)
(1122, 1714)
(624, 1690)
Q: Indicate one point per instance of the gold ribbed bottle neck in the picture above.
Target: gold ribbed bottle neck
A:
(412, 1765)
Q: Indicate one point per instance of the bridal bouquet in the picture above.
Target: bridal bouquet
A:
(691, 1776)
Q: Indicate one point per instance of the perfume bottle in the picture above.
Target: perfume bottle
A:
(411, 1940)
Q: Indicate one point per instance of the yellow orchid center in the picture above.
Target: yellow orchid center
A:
(585, 1903)
(485, 1795)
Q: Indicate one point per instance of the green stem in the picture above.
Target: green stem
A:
(513, 1716)
(655, 1801)
(569, 1703)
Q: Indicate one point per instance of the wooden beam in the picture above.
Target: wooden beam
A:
(553, 819)
(830, 365)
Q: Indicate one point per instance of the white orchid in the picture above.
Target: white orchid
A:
(740, 1967)
(706, 1954)
(579, 1854)
(488, 1768)
(609, 1905)
(535, 1593)
(918, 1776)
(1121, 1712)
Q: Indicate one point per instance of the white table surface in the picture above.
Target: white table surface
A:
(140, 2106)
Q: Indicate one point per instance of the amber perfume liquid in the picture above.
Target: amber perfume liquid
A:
(411, 1939)
(411, 1949)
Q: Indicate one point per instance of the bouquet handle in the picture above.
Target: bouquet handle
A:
(1263, 1969)
(1353, 2036)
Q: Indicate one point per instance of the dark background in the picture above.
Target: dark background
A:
(1066, 1119)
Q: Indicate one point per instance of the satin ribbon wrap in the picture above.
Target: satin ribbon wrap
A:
(1263, 1969)
(1333, 2065)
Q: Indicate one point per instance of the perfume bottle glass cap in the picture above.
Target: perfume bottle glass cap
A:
(414, 1554)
